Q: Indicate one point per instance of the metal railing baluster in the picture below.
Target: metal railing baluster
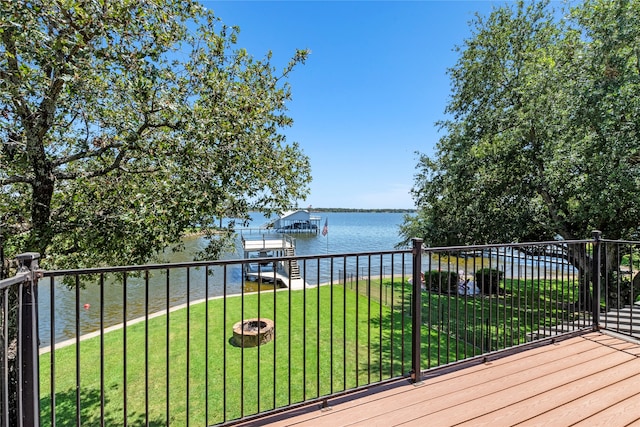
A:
(540, 288)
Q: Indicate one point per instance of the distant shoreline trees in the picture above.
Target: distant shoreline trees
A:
(372, 210)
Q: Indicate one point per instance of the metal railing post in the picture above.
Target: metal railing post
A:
(416, 311)
(29, 339)
(596, 280)
(2, 266)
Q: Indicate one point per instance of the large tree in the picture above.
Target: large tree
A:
(543, 136)
(126, 123)
(542, 139)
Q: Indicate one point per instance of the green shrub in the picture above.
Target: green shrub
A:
(488, 280)
(441, 281)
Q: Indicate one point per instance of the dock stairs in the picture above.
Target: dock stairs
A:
(625, 320)
(294, 271)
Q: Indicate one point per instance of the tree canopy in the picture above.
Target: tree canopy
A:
(541, 139)
(125, 124)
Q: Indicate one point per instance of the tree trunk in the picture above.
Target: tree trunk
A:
(578, 257)
(42, 186)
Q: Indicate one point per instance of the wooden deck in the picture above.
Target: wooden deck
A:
(589, 380)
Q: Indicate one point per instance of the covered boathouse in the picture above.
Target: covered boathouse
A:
(298, 221)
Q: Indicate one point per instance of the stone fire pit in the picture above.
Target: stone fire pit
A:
(252, 332)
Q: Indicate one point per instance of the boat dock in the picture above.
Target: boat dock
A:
(272, 245)
(298, 221)
(278, 243)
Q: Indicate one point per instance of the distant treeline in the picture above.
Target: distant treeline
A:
(363, 210)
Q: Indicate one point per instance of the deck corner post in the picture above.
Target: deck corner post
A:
(416, 309)
(596, 279)
(29, 341)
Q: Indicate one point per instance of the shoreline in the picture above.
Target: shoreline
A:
(89, 335)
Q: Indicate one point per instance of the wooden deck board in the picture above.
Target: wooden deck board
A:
(512, 391)
(623, 413)
(566, 411)
(592, 379)
(547, 402)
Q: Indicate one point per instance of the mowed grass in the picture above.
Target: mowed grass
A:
(183, 367)
(494, 322)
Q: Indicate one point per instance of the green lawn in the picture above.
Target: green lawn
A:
(496, 322)
(324, 343)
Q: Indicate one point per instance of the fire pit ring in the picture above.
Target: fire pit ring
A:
(252, 332)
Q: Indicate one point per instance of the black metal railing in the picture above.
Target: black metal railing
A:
(618, 308)
(19, 376)
(216, 342)
(481, 299)
(147, 344)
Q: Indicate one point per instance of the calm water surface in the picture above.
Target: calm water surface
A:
(123, 301)
(350, 232)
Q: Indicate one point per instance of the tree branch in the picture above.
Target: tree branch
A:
(20, 104)
(117, 162)
(16, 179)
(101, 172)
(85, 154)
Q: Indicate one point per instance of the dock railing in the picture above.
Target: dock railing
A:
(266, 241)
(196, 343)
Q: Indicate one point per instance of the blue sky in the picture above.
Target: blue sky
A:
(371, 91)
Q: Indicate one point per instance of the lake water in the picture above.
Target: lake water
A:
(348, 232)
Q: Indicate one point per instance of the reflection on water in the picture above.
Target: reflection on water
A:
(125, 298)
(262, 286)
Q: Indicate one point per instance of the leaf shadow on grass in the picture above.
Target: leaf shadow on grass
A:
(439, 343)
(66, 411)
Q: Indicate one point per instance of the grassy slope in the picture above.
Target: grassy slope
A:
(324, 342)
